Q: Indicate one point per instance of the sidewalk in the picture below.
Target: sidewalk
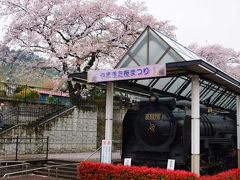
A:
(76, 157)
(82, 156)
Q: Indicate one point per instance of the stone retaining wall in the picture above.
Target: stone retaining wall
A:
(74, 131)
(77, 130)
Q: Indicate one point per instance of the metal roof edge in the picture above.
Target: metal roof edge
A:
(208, 66)
(221, 73)
(81, 75)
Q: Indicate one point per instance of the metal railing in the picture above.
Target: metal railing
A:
(36, 169)
(27, 115)
(49, 167)
(6, 162)
(5, 169)
(24, 146)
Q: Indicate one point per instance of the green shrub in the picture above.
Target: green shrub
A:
(18, 89)
(3, 93)
(50, 99)
(53, 100)
(27, 94)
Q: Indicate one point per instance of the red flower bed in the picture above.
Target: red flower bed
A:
(233, 174)
(94, 171)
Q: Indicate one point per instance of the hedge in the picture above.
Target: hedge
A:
(232, 174)
(94, 171)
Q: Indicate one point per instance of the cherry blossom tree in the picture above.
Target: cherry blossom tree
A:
(77, 33)
(226, 59)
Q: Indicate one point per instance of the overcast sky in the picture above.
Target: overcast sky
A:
(201, 21)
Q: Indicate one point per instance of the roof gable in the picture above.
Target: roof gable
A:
(153, 47)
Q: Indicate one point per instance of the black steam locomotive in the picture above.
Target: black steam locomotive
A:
(160, 130)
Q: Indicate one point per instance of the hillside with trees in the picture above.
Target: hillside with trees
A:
(25, 68)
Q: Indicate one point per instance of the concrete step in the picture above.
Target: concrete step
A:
(69, 168)
(59, 161)
(33, 177)
(56, 174)
(63, 171)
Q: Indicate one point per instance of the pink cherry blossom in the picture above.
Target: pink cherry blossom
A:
(78, 31)
(226, 59)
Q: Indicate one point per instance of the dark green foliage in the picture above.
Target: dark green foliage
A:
(53, 100)
(3, 93)
(117, 132)
(18, 89)
(95, 96)
(2, 90)
(100, 131)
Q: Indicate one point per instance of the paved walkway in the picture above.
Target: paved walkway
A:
(81, 156)
(33, 177)
(64, 156)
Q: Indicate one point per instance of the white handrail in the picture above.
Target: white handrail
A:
(14, 165)
(93, 153)
(11, 161)
(35, 169)
(47, 167)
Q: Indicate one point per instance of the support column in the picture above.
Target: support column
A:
(195, 126)
(238, 129)
(109, 111)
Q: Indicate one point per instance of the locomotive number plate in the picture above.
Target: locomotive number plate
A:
(153, 116)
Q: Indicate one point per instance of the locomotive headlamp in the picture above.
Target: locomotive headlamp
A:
(153, 98)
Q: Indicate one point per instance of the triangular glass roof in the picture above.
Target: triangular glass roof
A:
(153, 47)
